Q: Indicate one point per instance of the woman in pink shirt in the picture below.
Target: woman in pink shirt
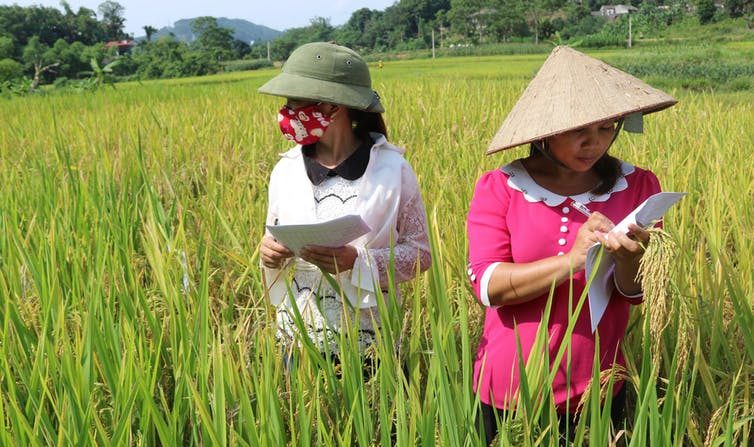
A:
(531, 222)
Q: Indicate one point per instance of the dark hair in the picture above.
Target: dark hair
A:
(607, 169)
(365, 122)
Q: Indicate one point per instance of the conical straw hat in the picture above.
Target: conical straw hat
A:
(570, 91)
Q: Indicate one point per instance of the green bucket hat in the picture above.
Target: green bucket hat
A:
(326, 72)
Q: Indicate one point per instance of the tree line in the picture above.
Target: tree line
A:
(47, 45)
(412, 24)
(42, 45)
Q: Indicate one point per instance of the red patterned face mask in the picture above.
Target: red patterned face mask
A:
(304, 125)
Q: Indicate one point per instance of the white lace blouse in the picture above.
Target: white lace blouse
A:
(322, 310)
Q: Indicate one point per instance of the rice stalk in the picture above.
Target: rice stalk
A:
(654, 273)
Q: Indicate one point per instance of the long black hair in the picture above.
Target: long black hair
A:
(365, 122)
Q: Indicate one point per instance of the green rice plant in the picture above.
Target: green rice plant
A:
(132, 309)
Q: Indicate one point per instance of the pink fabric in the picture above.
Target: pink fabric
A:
(504, 227)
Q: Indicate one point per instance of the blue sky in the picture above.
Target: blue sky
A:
(276, 14)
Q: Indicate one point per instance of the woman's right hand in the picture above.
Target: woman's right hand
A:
(272, 253)
(588, 235)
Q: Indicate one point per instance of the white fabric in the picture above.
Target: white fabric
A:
(388, 200)
(520, 180)
(615, 282)
(484, 296)
(321, 308)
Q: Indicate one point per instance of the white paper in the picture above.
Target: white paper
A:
(332, 233)
(644, 215)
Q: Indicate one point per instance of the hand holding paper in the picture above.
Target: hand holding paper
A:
(645, 215)
(332, 233)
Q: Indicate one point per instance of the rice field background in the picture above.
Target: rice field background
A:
(131, 307)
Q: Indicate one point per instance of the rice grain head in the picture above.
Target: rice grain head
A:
(654, 275)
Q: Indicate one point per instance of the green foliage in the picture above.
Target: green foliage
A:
(695, 68)
(738, 8)
(244, 65)
(36, 53)
(705, 11)
(66, 41)
(167, 58)
(7, 47)
(602, 39)
(319, 30)
(114, 200)
(102, 75)
(212, 39)
(15, 87)
(49, 24)
(113, 19)
(10, 69)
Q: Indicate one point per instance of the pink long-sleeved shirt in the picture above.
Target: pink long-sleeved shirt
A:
(513, 219)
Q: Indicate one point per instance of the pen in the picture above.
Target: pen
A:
(580, 207)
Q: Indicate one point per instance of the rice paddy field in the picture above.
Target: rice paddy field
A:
(131, 304)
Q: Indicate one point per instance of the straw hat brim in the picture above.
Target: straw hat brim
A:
(572, 90)
(295, 86)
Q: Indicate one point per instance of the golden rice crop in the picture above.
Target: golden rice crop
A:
(132, 309)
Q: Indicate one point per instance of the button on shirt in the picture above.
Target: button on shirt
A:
(506, 225)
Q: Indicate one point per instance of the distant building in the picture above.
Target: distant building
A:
(123, 46)
(612, 12)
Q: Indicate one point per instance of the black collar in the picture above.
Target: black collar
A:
(351, 168)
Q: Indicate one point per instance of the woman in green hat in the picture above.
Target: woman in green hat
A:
(342, 164)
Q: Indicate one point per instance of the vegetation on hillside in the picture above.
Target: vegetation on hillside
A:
(46, 45)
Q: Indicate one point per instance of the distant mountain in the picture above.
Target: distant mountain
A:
(243, 30)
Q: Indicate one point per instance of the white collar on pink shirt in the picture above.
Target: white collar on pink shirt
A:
(520, 180)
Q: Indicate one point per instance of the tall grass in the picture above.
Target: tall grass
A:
(132, 308)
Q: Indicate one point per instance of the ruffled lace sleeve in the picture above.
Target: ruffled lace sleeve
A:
(412, 246)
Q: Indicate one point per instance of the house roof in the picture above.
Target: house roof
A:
(120, 43)
(618, 9)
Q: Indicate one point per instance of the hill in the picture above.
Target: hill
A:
(243, 30)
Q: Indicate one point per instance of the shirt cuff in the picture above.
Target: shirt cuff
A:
(617, 287)
(364, 273)
(483, 296)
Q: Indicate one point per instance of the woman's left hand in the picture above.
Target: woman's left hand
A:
(330, 259)
(626, 248)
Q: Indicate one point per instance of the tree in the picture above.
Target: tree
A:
(10, 69)
(89, 30)
(149, 31)
(240, 48)
(212, 39)
(737, 8)
(112, 16)
(353, 33)
(509, 20)
(705, 10)
(470, 18)
(536, 10)
(7, 47)
(39, 57)
(320, 29)
(73, 58)
(100, 75)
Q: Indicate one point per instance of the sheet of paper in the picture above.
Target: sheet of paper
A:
(650, 211)
(601, 288)
(332, 233)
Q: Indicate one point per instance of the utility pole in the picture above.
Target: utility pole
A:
(433, 43)
(268, 51)
(629, 29)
